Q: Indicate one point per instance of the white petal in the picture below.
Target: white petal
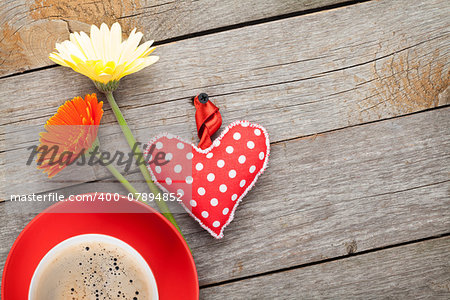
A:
(141, 63)
(131, 43)
(73, 49)
(140, 50)
(60, 48)
(85, 41)
(151, 59)
(64, 52)
(95, 37)
(57, 59)
(149, 50)
(76, 39)
(116, 41)
(105, 40)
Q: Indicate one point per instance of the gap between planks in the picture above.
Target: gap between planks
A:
(332, 259)
(275, 99)
(413, 271)
(309, 136)
(219, 29)
(308, 206)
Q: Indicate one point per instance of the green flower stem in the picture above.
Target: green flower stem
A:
(131, 142)
(114, 171)
(121, 179)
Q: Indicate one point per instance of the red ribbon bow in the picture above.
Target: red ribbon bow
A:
(208, 119)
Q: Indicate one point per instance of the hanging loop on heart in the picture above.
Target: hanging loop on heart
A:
(207, 118)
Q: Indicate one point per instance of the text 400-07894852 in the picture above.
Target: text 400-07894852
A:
(149, 197)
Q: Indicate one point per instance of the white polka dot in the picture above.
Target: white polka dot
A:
(252, 169)
(209, 155)
(225, 211)
(223, 188)
(205, 214)
(158, 169)
(170, 136)
(214, 202)
(169, 156)
(220, 163)
(261, 155)
(189, 155)
(159, 145)
(241, 159)
(245, 124)
(250, 145)
(229, 149)
(189, 180)
(201, 191)
(232, 173)
(210, 177)
(193, 203)
(169, 180)
(242, 183)
(180, 192)
(216, 224)
(177, 169)
(257, 132)
(234, 197)
(199, 166)
(216, 143)
(180, 146)
(236, 136)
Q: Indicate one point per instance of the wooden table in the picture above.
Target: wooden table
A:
(356, 200)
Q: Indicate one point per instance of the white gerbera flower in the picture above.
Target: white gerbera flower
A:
(104, 57)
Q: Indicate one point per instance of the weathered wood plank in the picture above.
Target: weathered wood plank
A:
(416, 271)
(29, 29)
(294, 76)
(340, 192)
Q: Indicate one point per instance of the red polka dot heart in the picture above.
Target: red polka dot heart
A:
(213, 181)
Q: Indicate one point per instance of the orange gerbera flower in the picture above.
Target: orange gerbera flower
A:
(71, 132)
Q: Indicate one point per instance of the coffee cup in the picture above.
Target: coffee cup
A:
(93, 266)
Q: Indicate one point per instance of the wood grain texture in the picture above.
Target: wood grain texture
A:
(30, 28)
(417, 271)
(294, 76)
(322, 197)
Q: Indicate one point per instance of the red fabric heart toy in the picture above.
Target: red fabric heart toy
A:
(211, 181)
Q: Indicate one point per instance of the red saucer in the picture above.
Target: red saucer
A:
(155, 238)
